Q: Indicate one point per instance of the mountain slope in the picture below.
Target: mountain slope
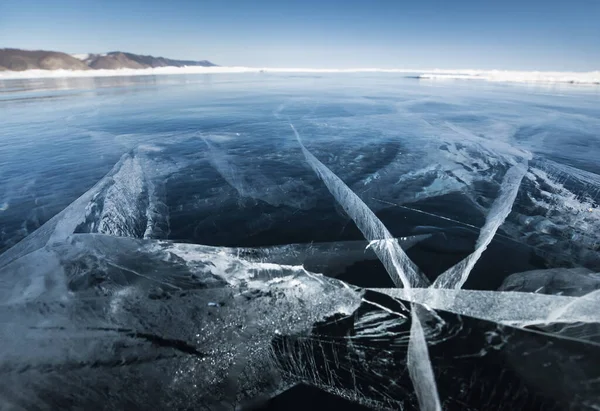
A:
(20, 60)
(118, 59)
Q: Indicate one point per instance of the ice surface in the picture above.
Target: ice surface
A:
(575, 318)
(128, 201)
(330, 259)
(185, 324)
(247, 184)
(57, 228)
(181, 324)
(243, 173)
(563, 173)
(559, 219)
(592, 77)
(363, 357)
(456, 276)
(401, 269)
(556, 281)
(452, 160)
(35, 276)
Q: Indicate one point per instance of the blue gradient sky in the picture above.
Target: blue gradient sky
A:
(485, 34)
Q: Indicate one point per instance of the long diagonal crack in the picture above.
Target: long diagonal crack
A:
(401, 269)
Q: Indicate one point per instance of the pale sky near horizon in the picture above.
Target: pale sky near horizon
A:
(509, 34)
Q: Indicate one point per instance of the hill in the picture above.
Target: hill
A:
(119, 59)
(20, 60)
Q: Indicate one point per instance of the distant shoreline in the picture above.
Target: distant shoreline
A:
(584, 78)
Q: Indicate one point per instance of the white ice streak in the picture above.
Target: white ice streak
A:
(127, 202)
(120, 209)
(419, 364)
(586, 306)
(457, 275)
(401, 269)
(591, 77)
(246, 178)
(156, 212)
(489, 149)
(570, 202)
(505, 307)
(246, 186)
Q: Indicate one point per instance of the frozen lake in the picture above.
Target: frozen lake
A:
(152, 191)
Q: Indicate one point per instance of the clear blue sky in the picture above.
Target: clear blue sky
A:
(486, 34)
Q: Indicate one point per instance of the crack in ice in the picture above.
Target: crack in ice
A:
(401, 269)
(457, 275)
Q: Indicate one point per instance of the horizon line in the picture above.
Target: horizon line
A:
(491, 75)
